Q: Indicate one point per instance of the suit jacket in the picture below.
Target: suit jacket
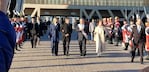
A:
(7, 42)
(67, 30)
(54, 32)
(80, 34)
(33, 31)
(138, 37)
(99, 34)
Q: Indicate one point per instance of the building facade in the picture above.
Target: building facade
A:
(87, 8)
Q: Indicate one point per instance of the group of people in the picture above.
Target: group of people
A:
(131, 34)
(13, 33)
(26, 30)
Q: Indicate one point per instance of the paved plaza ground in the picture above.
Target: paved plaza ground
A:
(113, 59)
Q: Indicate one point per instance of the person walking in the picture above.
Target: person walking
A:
(91, 28)
(34, 32)
(99, 38)
(138, 34)
(82, 36)
(125, 34)
(66, 30)
(147, 40)
(54, 36)
(117, 30)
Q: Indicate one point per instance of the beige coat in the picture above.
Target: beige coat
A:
(99, 37)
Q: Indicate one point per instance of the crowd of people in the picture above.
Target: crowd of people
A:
(28, 30)
(128, 33)
(15, 31)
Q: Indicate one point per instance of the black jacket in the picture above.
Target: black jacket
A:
(67, 30)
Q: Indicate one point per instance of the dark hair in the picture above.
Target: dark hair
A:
(125, 20)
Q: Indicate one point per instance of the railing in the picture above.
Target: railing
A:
(92, 2)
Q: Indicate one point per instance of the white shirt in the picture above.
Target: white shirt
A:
(138, 28)
(81, 26)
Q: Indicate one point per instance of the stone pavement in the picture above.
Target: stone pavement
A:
(114, 59)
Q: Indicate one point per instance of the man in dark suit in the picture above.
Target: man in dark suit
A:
(66, 29)
(34, 32)
(138, 35)
(82, 36)
(7, 38)
(54, 36)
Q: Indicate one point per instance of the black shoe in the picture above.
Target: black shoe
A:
(132, 60)
(116, 45)
(142, 63)
(67, 54)
(56, 54)
(18, 50)
(125, 49)
(20, 47)
(111, 43)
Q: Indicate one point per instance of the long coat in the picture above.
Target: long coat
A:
(99, 37)
(54, 32)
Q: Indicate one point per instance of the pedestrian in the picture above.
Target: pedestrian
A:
(66, 30)
(125, 34)
(34, 32)
(99, 38)
(117, 30)
(40, 28)
(54, 36)
(92, 28)
(109, 33)
(82, 29)
(138, 34)
(17, 30)
(147, 39)
(7, 38)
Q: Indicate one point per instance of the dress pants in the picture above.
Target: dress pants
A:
(82, 45)
(117, 39)
(140, 47)
(34, 41)
(92, 36)
(66, 43)
(54, 48)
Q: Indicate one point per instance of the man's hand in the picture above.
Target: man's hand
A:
(81, 29)
(66, 35)
(62, 30)
(49, 37)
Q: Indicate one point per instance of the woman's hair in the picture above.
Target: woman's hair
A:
(100, 20)
(54, 20)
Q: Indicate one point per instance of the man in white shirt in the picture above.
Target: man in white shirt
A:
(91, 29)
(82, 36)
(138, 35)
